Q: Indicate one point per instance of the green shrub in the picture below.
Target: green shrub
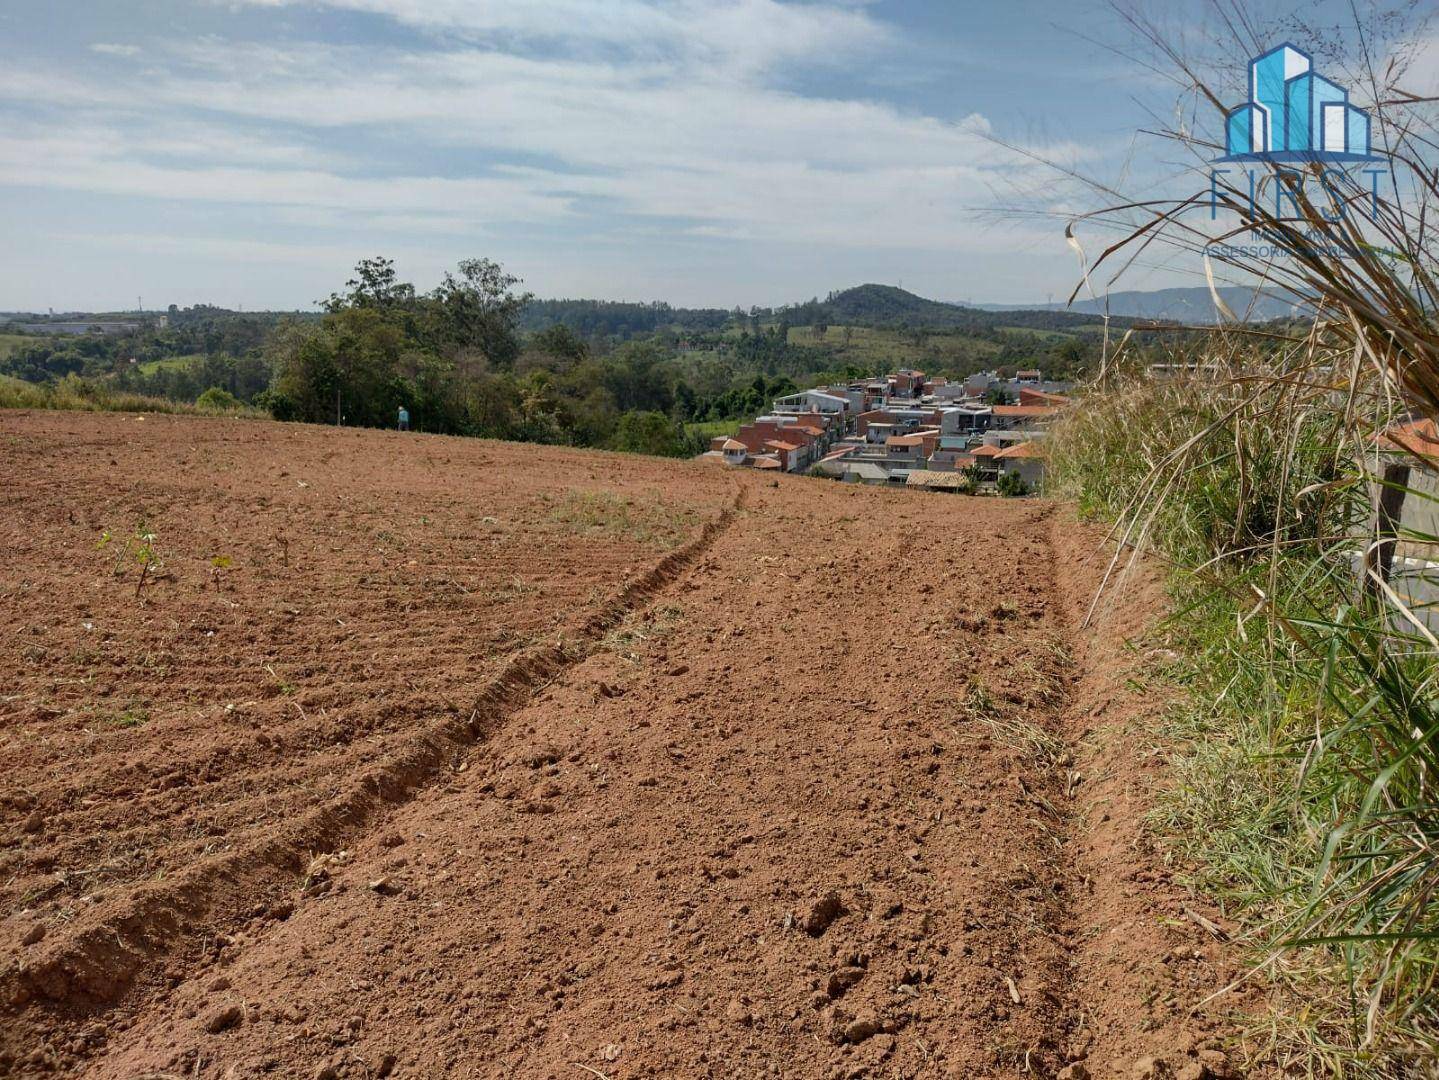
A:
(93, 395)
(217, 399)
(649, 433)
(1011, 485)
(278, 404)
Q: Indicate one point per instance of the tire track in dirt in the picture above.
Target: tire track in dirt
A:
(881, 697)
(1037, 973)
(1140, 962)
(1137, 960)
(636, 872)
(372, 589)
(100, 959)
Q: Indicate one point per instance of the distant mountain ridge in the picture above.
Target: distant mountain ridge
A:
(1192, 305)
(870, 304)
(877, 305)
(890, 306)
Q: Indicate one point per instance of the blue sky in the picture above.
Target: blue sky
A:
(699, 151)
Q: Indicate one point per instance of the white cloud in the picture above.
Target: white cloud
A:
(1420, 67)
(750, 34)
(266, 252)
(73, 163)
(605, 119)
(106, 48)
(587, 113)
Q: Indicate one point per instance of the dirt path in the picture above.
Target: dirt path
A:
(847, 792)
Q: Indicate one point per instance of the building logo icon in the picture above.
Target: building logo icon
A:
(1295, 114)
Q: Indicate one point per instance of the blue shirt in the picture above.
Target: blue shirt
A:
(404, 416)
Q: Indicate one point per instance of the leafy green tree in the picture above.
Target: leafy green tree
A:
(998, 395)
(649, 433)
(637, 377)
(380, 345)
(686, 401)
(277, 404)
(218, 398)
(560, 342)
(478, 309)
(538, 419)
(489, 405)
(592, 418)
(375, 285)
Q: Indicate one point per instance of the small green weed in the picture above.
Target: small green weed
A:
(138, 547)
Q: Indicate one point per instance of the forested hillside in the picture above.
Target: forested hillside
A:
(609, 318)
(478, 356)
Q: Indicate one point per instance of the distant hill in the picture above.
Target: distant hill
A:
(870, 305)
(873, 304)
(887, 305)
(1191, 305)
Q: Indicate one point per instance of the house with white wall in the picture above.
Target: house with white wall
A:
(812, 401)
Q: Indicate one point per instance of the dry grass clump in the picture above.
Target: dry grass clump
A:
(1308, 793)
(86, 395)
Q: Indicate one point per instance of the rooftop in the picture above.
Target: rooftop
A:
(1419, 437)
(1025, 410)
(942, 480)
(1021, 450)
(1045, 396)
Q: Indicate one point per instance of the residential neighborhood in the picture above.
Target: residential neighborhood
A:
(906, 428)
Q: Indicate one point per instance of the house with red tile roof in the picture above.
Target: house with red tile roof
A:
(802, 443)
(1025, 460)
(1418, 438)
(1409, 462)
(1030, 396)
(914, 448)
(944, 460)
(1023, 416)
(983, 456)
(734, 451)
(788, 453)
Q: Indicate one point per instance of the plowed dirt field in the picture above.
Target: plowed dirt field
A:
(418, 756)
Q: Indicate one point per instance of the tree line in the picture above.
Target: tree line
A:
(476, 355)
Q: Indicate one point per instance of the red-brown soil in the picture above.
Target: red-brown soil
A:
(479, 759)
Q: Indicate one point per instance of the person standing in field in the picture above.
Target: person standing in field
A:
(404, 418)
